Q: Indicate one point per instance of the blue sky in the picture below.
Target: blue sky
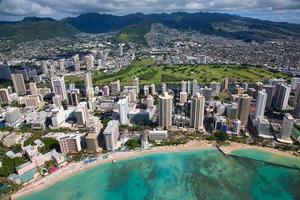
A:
(274, 10)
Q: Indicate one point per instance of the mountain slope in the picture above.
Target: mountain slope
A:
(134, 33)
(35, 28)
(224, 25)
(134, 26)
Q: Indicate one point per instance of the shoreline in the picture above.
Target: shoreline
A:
(79, 167)
(236, 146)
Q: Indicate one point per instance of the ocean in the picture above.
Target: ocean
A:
(202, 174)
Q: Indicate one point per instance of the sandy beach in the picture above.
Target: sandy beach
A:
(75, 168)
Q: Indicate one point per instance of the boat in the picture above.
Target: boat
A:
(114, 161)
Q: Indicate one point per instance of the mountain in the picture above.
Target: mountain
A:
(31, 28)
(134, 33)
(225, 25)
(134, 26)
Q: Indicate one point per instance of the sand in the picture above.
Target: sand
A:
(75, 168)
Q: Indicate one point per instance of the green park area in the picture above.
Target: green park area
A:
(148, 72)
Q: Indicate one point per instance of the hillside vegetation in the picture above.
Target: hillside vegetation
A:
(35, 28)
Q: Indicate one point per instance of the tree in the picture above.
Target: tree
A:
(50, 144)
(133, 143)
(221, 136)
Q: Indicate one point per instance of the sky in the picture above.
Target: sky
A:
(274, 10)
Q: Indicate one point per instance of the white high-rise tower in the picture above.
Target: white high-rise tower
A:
(261, 104)
(197, 112)
(165, 110)
(58, 86)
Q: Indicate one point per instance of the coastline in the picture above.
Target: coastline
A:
(79, 167)
(236, 146)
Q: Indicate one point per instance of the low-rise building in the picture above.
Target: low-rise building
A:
(158, 135)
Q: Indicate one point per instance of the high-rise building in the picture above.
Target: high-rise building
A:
(263, 126)
(18, 83)
(53, 68)
(76, 63)
(282, 96)
(70, 144)
(5, 72)
(225, 84)
(4, 96)
(207, 93)
(150, 101)
(183, 97)
(215, 88)
(45, 67)
(89, 62)
(295, 81)
(115, 87)
(261, 104)
(132, 96)
(105, 91)
(146, 90)
(92, 144)
(276, 83)
(57, 100)
(33, 101)
(287, 126)
(73, 97)
(62, 65)
(111, 135)
(165, 110)
(164, 88)
(13, 115)
(136, 82)
(123, 111)
(195, 86)
(244, 102)
(270, 93)
(232, 111)
(297, 101)
(58, 86)
(197, 112)
(153, 90)
(10, 91)
(297, 95)
(92, 104)
(81, 114)
(189, 87)
(183, 86)
(236, 126)
(121, 49)
(88, 83)
(24, 72)
(33, 89)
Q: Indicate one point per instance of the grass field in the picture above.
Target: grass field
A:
(148, 73)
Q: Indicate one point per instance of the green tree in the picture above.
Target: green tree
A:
(221, 136)
(133, 143)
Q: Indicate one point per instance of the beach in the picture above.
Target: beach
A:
(236, 146)
(75, 168)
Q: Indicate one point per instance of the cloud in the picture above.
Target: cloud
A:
(63, 8)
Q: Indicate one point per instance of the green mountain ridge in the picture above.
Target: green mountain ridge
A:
(133, 27)
(35, 28)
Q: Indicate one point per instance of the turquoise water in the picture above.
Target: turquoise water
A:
(267, 157)
(203, 174)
